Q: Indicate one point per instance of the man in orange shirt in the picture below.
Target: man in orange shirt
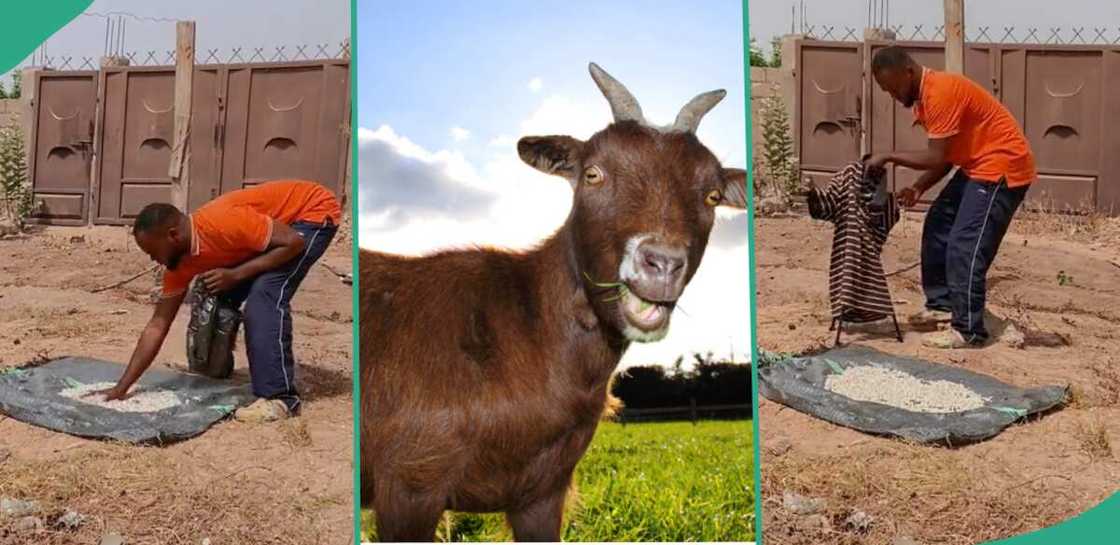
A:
(970, 129)
(255, 246)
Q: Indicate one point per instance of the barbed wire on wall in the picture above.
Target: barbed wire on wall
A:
(979, 34)
(115, 46)
(232, 55)
(128, 15)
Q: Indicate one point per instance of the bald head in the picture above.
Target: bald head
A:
(898, 74)
(163, 232)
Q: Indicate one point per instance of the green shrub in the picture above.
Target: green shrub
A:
(16, 196)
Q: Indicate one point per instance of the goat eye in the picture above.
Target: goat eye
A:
(714, 197)
(592, 175)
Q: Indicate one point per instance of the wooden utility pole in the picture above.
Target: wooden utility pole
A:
(179, 170)
(954, 36)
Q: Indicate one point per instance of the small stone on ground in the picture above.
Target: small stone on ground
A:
(112, 539)
(70, 520)
(859, 522)
(779, 447)
(801, 505)
(12, 507)
(28, 524)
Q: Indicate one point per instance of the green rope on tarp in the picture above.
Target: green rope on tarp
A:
(224, 409)
(13, 371)
(766, 357)
(72, 383)
(1018, 413)
(836, 367)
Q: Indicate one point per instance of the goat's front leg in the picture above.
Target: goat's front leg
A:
(403, 518)
(540, 520)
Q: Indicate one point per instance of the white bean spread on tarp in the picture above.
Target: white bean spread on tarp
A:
(141, 401)
(902, 390)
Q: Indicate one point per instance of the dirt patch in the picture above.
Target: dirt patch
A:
(1056, 282)
(282, 483)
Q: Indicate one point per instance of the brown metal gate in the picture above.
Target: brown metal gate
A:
(829, 106)
(284, 121)
(61, 145)
(137, 126)
(1060, 94)
(249, 123)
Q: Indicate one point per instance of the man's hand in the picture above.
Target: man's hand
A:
(219, 280)
(148, 345)
(112, 394)
(909, 196)
(877, 160)
(876, 164)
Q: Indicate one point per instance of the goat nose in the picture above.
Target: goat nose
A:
(662, 261)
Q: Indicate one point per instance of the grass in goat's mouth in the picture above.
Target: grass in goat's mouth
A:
(620, 291)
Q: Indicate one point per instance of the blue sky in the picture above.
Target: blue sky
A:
(446, 88)
(432, 64)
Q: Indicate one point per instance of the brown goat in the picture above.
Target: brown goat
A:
(484, 373)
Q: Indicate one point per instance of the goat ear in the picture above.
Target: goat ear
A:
(734, 188)
(557, 155)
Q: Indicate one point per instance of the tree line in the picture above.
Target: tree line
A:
(708, 382)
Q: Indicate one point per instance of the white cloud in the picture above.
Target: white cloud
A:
(415, 201)
(401, 182)
(536, 84)
(561, 115)
(459, 134)
(503, 141)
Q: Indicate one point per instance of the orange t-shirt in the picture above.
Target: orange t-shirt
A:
(237, 226)
(984, 139)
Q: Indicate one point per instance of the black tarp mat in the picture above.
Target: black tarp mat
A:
(32, 395)
(798, 382)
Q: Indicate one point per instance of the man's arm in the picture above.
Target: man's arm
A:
(909, 196)
(931, 158)
(151, 339)
(283, 247)
(931, 177)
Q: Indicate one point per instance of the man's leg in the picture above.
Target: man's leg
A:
(935, 236)
(935, 239)
(268, 322)
(984, 217)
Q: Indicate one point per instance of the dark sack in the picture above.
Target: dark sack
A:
(212, 335)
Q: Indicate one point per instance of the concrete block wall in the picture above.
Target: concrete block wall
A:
(767, 82)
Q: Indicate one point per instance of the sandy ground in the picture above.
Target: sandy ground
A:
(288, 482)
(1035, 474)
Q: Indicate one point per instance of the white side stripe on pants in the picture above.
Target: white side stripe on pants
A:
(976, 250)
(279, 301)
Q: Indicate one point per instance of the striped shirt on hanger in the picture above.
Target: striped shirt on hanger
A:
(863, 213)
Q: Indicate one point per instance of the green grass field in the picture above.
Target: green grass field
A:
(647, 482)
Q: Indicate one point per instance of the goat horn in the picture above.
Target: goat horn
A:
(623, 104)
(689, 118)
